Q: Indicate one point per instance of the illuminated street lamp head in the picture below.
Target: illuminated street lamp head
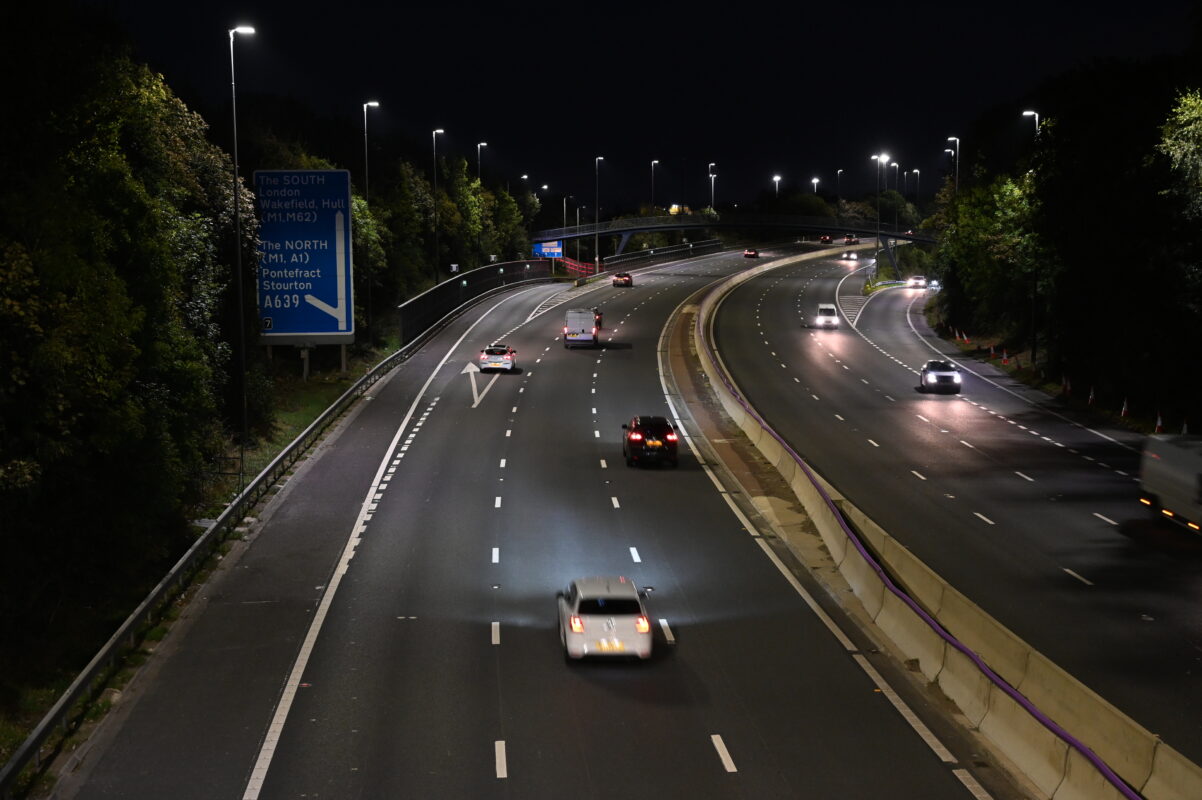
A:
(438, 131)
(654, 161)
(482, 144)
(884, 158)
(525, 177)
(544, 187)
(372, 103)
(242, 29)
(949, 150)
(776, 178)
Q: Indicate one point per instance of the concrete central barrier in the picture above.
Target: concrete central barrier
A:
(1069, 741)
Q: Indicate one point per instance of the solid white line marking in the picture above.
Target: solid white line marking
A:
(499, 748)
(1085, 581)
(985, 518)
(496, 555)
(669, 637)
(1024, 477)
(634, 554)
(1104, 519)
(918, 475)
(603, 464)
(614, 500)
(497, 503)
(727, 762)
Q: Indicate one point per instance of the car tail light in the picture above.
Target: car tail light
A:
(671, 437)
(507, 357)
(635, 436)
(576, 624)
(484, 356)
(642, 624)
(594, 330)
(565, 330)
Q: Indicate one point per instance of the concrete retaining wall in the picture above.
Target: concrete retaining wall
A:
(1056, 768)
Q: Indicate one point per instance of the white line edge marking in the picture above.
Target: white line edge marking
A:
(909, 716)
(634, 554)
(970, 783)
(499, 752)
(669, 637)
(723, 754)
(1085, 581)
(271, 737)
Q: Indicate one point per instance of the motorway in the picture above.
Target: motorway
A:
(1030, 514)
(390, 629)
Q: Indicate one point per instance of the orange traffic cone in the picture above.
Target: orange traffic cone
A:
(1123, 413)
(1005, 356)
(1090, 396)
(991, 353)
(1159, 425)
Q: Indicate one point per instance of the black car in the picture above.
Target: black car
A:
(851, 238)
(649, 439)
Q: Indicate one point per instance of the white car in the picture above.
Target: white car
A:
(827, 317)
(916, 282)
(498, 356)
(939, 376)
(604, 616)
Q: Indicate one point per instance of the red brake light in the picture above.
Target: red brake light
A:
(671, 437)
(508, 357)
(642, 624)
(565, 328)
(594, 330)
(635, 436)
(576, 624)
(484, 356)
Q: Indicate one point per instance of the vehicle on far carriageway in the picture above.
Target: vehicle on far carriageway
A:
(1170, 478)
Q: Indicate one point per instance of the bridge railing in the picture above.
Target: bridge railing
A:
(832, 225)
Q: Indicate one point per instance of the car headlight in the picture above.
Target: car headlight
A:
(956, 377)
(930, 378)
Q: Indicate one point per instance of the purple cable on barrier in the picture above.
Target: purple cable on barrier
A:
(994, 678)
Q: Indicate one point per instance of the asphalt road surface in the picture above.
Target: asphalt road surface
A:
(1030, 514)
(390, 631)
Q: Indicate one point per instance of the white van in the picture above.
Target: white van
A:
(828, 316)
(1170, 478)
(580, 327)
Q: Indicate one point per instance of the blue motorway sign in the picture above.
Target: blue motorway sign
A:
(548, 249)
(303, 279)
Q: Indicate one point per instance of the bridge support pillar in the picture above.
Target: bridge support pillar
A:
(623, 242)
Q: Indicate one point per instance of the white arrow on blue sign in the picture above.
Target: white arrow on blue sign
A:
(304, 276)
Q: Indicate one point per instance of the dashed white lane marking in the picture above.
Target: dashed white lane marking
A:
(909, 716)
(497, 503)
(669, 637)
(1024, 477)
(508, 433)
(838, 417)
(614, 500)
(499, 751)
(1085, 581)
(634, 555)
(814, 396)
(513, 410)
(496, 555)
(918, 475)
(1104, 519)
(596, 434)
(874, 444)
(983, 517)
(921, 417)
(970, 783)
(496, 633)
(966, 444)
(603, 464)
(502, 463)
(723, 754)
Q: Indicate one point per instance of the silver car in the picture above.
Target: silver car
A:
(498, 356)
(604, 616)
(939, 376)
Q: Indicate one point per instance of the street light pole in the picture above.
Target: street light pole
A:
(653, 163)
(956, 155)
(478, 146)
(596, 211)
(366, 191)
(776, 180)
(917, 187)
(895, 171)
(838, 192)
(1036, 115)
(434, 140)
(243, 29)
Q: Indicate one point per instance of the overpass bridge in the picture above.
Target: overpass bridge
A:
(628, 226)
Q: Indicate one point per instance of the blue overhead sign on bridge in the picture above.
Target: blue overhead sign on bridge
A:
(303, 279)
(548, 249)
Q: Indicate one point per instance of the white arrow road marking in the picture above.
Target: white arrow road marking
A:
(471, 369)
(338, 312)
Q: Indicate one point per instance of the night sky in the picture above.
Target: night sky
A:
(799, 89)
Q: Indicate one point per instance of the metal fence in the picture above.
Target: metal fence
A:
(431, 309)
